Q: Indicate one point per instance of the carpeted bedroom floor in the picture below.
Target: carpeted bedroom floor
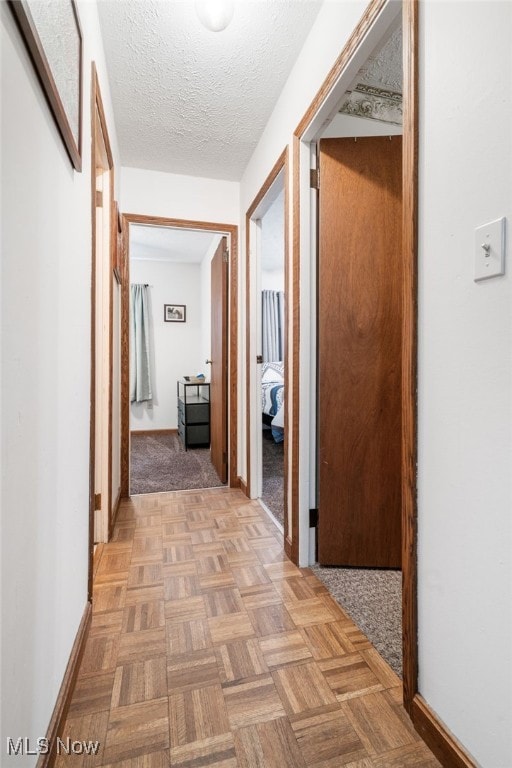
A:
(160, 463)
(273, 476)
(373, 600)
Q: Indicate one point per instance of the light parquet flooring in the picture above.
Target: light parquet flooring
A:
(209, 648)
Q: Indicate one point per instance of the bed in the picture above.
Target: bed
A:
(272, 398)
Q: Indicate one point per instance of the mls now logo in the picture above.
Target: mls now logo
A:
(41, 746)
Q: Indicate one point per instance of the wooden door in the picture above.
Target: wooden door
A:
(219, 361)
(359, 338)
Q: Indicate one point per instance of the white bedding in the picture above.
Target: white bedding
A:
(272, 394)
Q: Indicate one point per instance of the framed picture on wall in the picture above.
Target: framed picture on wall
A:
(175, 313)
(53, 37)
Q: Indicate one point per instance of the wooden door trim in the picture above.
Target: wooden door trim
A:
(125, 368)
(219, 331)
(410, 25)
(410, 15)
(281, 164)
(230, 230)
(97, 109)
(116, 277)
(292, 546)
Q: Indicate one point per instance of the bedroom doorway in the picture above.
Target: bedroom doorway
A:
(358, 212)
(177, 407)
(172, 447)
(267, 345)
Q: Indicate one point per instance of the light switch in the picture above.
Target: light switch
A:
(490, 250)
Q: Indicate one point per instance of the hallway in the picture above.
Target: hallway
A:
(209, 648)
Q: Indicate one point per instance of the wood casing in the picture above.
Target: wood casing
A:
(219, 361)
(158, 221)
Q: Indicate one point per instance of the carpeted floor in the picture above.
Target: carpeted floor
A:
(373, 599)
(160, 463)
(273, 475)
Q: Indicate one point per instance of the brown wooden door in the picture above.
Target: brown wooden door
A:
(359, 343)
(219, 362)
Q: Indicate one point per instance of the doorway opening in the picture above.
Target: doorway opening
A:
(272, 330)
(377, 20)
(359, 349)
(177, 356)
(267, 364)
(105, 470)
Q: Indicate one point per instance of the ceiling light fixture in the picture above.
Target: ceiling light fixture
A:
(215, 14)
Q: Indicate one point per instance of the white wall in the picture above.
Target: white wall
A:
(179, 197)
(272, 246)
(46, 274)
(272, 280)
(465, 378)
(176, 347)
(349, 125)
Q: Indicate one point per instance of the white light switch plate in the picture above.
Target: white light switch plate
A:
(490, 250)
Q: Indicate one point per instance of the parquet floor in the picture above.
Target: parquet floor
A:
(208, 648)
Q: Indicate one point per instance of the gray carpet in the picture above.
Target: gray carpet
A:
(273, 475)
(160, 463)
(373, 599)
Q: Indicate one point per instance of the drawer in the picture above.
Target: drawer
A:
(198, 435)
(196, 413)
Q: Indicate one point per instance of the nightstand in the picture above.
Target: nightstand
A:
(193, 413)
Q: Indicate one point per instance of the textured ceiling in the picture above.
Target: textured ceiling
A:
(383, 69)
(376, 92)
(167, 244)
(191, 101)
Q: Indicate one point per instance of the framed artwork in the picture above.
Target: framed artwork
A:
(175, 313)
(53, 36)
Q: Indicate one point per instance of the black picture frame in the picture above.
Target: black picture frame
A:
(175, 313)
(66, 108)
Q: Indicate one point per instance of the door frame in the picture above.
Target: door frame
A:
(377, 17)
(219, 422)
(99, 123)
(253, 399)
(231, 232)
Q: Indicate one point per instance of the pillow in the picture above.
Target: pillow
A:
(272, 372)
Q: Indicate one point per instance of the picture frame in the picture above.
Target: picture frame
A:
(175, 313)
(53, 37)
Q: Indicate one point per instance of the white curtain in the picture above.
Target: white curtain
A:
(140, 378)
(273, 325)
